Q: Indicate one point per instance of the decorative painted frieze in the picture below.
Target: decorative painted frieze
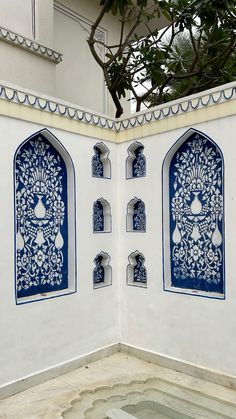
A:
(42, 218)
(196, 216)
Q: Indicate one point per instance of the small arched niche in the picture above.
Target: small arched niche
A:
(193, 216)
(136, 161)
(101, 216)
(136, 217)
(136, 272)
(102, 273)
(101, 165)
(44, 219)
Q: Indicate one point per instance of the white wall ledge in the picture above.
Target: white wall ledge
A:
(183, 106)
(29, 45)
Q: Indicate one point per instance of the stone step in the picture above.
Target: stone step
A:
(118, 414)
(197, 397)
(174, 400)
(155, 400)
(173, 407)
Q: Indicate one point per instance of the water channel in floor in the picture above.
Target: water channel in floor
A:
(153, 398)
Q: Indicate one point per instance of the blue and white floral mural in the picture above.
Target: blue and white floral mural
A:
(140, 272)
(139, 163)
(98, 272)
(42, 218)
(139, 216)
(196, 216)
(98, 217)
(97, 165)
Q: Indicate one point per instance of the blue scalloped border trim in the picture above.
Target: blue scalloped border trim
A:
(187, 105)
(29, 44)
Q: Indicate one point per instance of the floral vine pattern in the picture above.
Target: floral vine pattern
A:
(140, 272)
(196, 216)
(97, 165)
(98, 272)
(139, 163)
(98, 216)
(139, 217)
(41, 213)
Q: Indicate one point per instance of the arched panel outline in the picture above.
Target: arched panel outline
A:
(130, 214)
(130, 159)
(71, 219)
(104, 152)
(107, 218)
(130, 280)
(166, 236)
(105, 263)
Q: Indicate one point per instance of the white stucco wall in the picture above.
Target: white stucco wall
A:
(63, 27)
(42, 334)
(79, 78)
(195, 329)
(44, 24)
(17, 16)
(39, 335)
(21, 63)
(33, 19)
(33, 72)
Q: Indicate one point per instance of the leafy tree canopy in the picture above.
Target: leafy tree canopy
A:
(194, 51)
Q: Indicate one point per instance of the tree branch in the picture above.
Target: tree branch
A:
(91, 40)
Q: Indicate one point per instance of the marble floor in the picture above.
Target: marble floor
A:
(50, 399)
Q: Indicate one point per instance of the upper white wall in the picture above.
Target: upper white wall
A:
(79, 78)
(65, 28)
(44, 24)
(32, 20)
(17, 16)
(33, 72)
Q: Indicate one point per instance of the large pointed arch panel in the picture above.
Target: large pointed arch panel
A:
(44, 219)
(193, 216)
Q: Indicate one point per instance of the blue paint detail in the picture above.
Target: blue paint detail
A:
(139, 163)
(140, 273)
(49, 296)
(98, 272)
(98, 216)
(207, 295)
(42, 218)
(196, 216)
(117, 126)
(139, 217)
(97, 165)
